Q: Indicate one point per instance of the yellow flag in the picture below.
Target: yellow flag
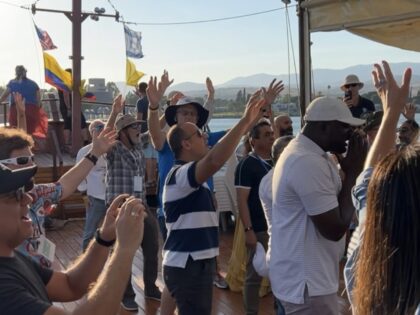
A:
(55, 75)
(132, 75)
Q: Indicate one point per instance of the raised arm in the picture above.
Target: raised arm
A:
(117, 108)
(21, 111)
(209, 103)
(221, 152)
(270, 95)
(124, 224)
(393, 99)
(155, 93)
(72, 178)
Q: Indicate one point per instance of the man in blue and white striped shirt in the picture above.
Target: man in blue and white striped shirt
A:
(189, 254)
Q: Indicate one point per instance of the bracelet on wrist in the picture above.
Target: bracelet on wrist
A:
(153, 108)
(101, 241)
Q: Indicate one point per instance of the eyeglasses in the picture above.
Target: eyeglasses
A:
(184, 112)
(20, 160)
(135, 126)
(403, 130)
(198, 132)
(17, 194)
(351, 85)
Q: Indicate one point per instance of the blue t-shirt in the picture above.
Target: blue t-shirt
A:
(26, 87)
(142, 107)
(166, 160)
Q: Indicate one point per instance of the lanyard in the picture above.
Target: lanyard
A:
(136, 162)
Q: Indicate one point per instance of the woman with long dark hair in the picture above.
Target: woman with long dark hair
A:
(387, 273)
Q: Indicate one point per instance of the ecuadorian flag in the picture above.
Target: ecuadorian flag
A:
(55, 75)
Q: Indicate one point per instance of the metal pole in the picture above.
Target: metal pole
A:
(304, 60)
(76, 56)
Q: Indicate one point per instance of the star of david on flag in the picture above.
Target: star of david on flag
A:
(45, 39)
(133, 43)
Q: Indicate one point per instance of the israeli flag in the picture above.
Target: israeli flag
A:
(133, 43)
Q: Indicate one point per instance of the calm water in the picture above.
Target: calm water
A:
(217, 124)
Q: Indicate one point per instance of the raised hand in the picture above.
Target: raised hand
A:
(393, 97)
(274, 89)
(254, 108)
(164, 83)
(102, 142)
(409, 111)
(108, 226)
(210, 87)
(118, 104)
(130, 224)
(19, 101)
(156, 90)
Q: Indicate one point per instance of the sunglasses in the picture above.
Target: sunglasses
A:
(17, 194)
(20, 160)
(351, 85)
(135, 126)
(198, 132)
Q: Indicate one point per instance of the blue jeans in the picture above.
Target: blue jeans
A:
(95, 212)
(279, 307)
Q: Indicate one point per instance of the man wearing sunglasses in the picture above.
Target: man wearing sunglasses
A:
(15, 150)
(28, 288)
(125, 173)
(356, 103)
(190, 251)
(94, 185)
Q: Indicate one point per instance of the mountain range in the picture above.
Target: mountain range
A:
(326, 81)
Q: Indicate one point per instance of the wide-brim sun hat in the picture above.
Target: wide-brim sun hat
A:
(170, 112)
(11, 180)
(351, 79)
(331, 109)
(126, 120)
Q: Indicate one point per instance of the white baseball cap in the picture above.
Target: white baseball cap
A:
(330, 109)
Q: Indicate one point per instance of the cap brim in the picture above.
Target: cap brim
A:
(353, 121)
(14, 179)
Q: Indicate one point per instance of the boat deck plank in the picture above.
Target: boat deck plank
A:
(225, 302)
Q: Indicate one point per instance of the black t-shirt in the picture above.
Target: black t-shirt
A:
(142, 107)
(23, 286)
(249, 173)
(364, 105)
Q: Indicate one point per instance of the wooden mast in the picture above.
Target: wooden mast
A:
(76, 16)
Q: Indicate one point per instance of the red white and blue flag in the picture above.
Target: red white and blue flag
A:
(45, 39)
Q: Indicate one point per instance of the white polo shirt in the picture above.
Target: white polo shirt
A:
(305, 183)
(94, 183)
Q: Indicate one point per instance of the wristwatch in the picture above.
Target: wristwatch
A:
(91, 158)
(101, 241)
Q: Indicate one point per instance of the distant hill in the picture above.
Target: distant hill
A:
(321, 77)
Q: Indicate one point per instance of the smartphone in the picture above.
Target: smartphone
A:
(347, 95)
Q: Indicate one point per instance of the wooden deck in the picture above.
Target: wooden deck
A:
(225, 302)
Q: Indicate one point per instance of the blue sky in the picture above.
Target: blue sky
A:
(222, 50)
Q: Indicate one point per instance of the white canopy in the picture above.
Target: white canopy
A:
(391, 22)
